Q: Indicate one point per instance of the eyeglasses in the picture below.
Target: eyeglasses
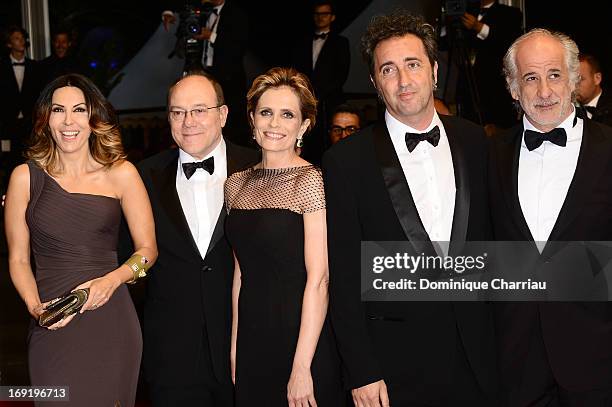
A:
(338, 130)
(198, 113)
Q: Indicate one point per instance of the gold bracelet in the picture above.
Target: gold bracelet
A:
(139, 265)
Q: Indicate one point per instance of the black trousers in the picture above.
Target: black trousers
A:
(537, 387)
(462, 390)
(206, 391)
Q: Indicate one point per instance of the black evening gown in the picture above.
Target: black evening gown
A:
(266, 229)
(73, 239)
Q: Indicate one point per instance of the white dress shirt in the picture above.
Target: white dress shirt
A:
(212, 23)
(544, 177)
(430, 175)
(201, 196)
(484, 31)
(317, 46)
(19, 71)
(593, 103)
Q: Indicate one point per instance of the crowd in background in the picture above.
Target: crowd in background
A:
(415, 174)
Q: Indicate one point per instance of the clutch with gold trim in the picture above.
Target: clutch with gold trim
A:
(63, 306)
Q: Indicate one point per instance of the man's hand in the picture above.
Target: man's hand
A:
(204, 34)
(471, 23)
(371, 395)
(168, 19)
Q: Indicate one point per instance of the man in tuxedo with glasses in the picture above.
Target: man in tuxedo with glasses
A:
(224, 35)
(187, 310)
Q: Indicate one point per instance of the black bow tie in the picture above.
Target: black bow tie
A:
(590, 109)
(190, 168)
(581, 111)
(321, 36)
(18, 63)
(432, 136)
(534, 139)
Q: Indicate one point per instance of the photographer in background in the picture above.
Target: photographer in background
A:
(223, 38)
(491, 31)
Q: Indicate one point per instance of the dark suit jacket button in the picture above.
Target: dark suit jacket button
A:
(206, 269)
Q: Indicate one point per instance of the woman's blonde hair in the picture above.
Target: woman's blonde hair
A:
(277, 77)
(105, 139)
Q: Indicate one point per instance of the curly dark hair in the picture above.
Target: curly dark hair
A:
(397, 24)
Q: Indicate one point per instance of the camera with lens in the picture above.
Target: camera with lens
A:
(453, 10)
(192, 19)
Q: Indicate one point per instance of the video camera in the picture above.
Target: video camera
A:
(456, 8)
(452, 11)
(192, 19)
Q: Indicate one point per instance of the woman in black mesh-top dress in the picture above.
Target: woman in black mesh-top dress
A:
(64, 207)
(283, 351)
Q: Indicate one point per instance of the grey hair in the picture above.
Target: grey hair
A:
(571, 57)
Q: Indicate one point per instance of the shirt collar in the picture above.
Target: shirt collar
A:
(397, 127)
(594, 101)
(218, 152)
(566, 124)
(573, 132)
(17, 60)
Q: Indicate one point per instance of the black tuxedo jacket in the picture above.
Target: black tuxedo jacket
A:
(603, 111)
(230, 46)
(187, 296)
(409, 344)
(332, 67)
(53, 67)
(505, 26)
(577, 336)
(13, 100)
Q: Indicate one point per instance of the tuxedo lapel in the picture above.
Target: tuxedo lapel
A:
(234, 163)
(462, 185)
(10, 76)
(508, 151)
(28, 76)
(322, 58)
(218, 232)
(589, 169)
(399, 191)
(164, 180)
